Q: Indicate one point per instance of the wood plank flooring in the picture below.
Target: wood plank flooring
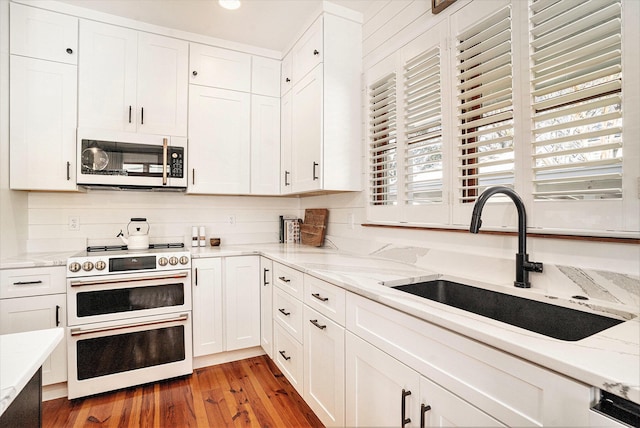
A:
(246, 393)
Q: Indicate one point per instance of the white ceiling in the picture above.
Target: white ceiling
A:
(269, 24)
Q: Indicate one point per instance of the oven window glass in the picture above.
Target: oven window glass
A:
(101, 356)
(118, 300)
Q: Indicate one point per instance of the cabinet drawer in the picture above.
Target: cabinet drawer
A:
(326, 298)
(288, 356)
(288, 279)
(32, 282)
(287, 310)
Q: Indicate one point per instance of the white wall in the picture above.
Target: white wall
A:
(13, 205)
(387, 27)
(103, 214)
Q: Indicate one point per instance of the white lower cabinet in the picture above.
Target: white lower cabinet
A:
(226, 304)
(324, 367)
(206, 292)
(34, 299)
(288, 356)
(266, 308)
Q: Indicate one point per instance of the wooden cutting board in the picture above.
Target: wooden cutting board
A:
(314, 228)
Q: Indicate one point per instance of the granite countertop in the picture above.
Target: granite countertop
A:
(21, 355)
(609, 360)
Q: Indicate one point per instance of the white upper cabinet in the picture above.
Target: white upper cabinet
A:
(219, 141)
(37, 33)
(308, 51)
(265, 76)
(285, 144)
(219, 68)
(265, 145)
(286, 82)
(132, 81)
(43, 94)
(325, 125)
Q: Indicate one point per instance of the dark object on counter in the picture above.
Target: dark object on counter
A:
(214, 242)
(523, 265)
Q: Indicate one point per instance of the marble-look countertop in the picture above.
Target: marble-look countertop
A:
(609, 360)
(21, 355)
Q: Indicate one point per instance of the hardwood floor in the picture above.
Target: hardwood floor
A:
(247, 393)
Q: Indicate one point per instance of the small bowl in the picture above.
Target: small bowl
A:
(214, 242)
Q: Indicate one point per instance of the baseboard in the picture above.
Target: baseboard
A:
(226, 357)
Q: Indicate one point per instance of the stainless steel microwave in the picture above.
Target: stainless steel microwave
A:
(115, 159)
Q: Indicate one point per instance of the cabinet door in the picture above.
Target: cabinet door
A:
(107, 77)
(308, 52)
(219, 141)
(307, 133)
(219, 68)
(206, 293)
(441, 408)
(266, 309)
(38, 33)
(286, 82)
(324, 367)
(265, 145)
(162, 85)
(39, 313)
(285, 144)
(374, 387)
(242, 302)
(265, 76)
(42, 131)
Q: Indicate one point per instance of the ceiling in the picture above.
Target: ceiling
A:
(269, 24)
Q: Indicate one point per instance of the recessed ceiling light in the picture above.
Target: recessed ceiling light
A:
(230, 4)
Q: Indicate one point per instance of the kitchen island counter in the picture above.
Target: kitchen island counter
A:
(21, 356)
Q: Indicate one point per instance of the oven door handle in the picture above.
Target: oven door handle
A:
(78, 331)
(79, 283)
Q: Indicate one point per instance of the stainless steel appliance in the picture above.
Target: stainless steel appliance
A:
(114, 159)
(129, 317)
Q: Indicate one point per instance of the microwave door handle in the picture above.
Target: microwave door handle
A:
(165, 143)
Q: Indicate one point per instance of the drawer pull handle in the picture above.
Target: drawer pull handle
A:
(423, 411)
(57, 315)
(27, 282)
(315, 322)
(285, 313)
(284, 356)
(264, 277)
(405, 420)
(317, 296)
(284, 279)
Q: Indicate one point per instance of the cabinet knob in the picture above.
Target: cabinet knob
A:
(287, 80)
(316, 52)
(69, 51)
(195, 73)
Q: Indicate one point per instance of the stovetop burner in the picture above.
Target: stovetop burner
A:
(102, 248)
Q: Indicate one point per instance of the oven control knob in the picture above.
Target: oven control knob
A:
(173, 261)
(74, 266)
(87, 266)
(100, 265)
(184, 260)
(163, 261)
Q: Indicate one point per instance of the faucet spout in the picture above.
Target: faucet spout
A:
(523, 265)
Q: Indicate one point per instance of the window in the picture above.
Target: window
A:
(383, 188)
(485, 106)
(577, 100)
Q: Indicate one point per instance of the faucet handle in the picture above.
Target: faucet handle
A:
(533, 266)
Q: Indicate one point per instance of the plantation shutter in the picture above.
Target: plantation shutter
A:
(383, 183)
(485, 106)
(577, 99)
(423, 129)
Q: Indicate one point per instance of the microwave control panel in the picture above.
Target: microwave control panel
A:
(176, 162)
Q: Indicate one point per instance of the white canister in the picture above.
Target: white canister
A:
(194, 236)
(203, 238)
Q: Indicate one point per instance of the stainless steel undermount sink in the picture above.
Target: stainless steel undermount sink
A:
(543, 318)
